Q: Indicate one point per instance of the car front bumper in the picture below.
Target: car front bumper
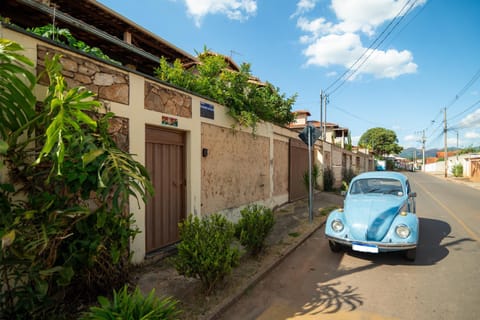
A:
(381, 246)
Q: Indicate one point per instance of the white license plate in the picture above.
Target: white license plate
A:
(364, 248)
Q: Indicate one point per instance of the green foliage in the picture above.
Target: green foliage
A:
(328, 179)
(205, 251)
(468, 150)
(248, 102)
(252, 229)
(133, 306)
(381, 141)
(17, 102)
(71, 227)
(347, 175)
(315, 174)
(457, 170)
(64, 36)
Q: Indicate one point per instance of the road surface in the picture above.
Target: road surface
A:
(443, 283)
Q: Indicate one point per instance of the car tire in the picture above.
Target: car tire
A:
(411, 254)
(334, 247)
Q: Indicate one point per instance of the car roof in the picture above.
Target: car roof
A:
(382, 174)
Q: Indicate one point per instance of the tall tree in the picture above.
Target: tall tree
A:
(381, 141)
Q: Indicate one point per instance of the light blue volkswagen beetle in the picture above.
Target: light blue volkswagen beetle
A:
(378, 216)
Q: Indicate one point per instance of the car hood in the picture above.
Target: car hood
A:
(370, 217)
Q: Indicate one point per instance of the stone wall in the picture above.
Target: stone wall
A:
(168, 101)
(106, 82)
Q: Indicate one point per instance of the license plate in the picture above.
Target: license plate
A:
(361, 247)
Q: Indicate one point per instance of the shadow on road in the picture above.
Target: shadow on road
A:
(331, 299)
(431, 247)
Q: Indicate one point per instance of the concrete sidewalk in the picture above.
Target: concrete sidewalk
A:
(462, 180)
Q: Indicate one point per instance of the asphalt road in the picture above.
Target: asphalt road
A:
(443, 283)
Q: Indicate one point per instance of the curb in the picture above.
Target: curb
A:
(220, 309)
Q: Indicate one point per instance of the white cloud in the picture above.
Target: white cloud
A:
(410, 138)
(340, 43)
(472, 135)
(304, 6)
(471, 121)
(233, 9)
(367, 15)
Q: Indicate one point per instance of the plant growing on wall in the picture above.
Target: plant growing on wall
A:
(248, 101)
(64, 36)
(70, 226)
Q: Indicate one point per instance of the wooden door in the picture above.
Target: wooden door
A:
(165, 162)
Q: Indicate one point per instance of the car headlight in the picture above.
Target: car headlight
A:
(402, 231)
(337, 225)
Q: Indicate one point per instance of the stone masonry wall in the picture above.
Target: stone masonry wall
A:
(107, 83)
(168, 101)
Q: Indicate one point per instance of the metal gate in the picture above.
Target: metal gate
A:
(475, 169)
(298, 165)
(165, 162)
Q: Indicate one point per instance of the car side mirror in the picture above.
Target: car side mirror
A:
(412, 194)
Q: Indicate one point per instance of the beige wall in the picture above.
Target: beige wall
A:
(236, 170)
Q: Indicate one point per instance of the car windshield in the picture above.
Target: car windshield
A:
(377, 185)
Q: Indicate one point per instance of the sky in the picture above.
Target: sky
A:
(403, 65)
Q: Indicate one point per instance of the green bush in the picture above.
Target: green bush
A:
(328, 179)
(254, 226)
(133, 306)
(348, 175)
(306, 178)
(458, 170)
(205, 251)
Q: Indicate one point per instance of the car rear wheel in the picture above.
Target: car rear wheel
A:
(334, 247)
(411, 254)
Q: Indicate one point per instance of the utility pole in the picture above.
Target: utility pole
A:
(321, 114)
(445, 157)
(423, 150)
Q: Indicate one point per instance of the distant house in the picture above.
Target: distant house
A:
(334, 134)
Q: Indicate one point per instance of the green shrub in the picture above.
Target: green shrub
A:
(133, 306)
(348, 175)
(254, 226)
(306, 178)
(458, 170)
(205, 251)
(328, 179)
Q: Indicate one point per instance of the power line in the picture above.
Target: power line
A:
(371, 49)
(465, 88)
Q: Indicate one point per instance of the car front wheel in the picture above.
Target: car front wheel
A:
(411, 254)
(335, 247)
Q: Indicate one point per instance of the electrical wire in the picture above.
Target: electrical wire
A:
(351, 71)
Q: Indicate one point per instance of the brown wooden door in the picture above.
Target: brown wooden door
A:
(165, 162)
(298, 165)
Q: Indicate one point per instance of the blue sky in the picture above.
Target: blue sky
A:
(411, 58)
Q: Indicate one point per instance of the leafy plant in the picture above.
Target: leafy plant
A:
(252, 229)
(347, 175)
(248, 101)
(64, 36)
(306, 177)
(205, 251)
(457, 170)
(381, 141)
(133, 306)
(328, 179)
(65, 218)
